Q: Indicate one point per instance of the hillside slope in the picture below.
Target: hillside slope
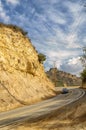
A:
(61, 78)
(22, 77)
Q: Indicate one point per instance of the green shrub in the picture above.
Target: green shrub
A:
(83, 57)
(83, 75)
(41, 57)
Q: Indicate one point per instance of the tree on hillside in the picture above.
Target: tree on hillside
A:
(83, 58)
(83, 74)
(41, 57)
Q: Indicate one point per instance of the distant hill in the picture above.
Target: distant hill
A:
(61, 78)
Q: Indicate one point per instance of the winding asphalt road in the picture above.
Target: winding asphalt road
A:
(39, 109)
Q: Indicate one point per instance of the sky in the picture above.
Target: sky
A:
(57, 28)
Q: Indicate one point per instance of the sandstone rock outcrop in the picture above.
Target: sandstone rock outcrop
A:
(22, 76)
(61, 78)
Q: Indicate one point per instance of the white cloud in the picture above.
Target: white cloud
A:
(54, 28)
(84, 40)
(61, 54)
(72, 41)
(78, 18)
(74, 61)
(58, 64)
(56, 18)
(73, 66)
(13, 2)
(64, 62)
(3, 14)
(64, 40)
(53, 1)
(53, 63)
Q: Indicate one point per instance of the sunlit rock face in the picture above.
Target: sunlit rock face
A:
(22, 76)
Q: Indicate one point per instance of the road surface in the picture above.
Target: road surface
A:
(39, 109)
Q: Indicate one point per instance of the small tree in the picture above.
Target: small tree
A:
(41, 57)
(83, 74)
(83, 58)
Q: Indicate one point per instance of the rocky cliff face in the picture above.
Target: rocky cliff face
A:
(22, 77)
(61, 78)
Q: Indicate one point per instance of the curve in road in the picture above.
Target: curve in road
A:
(39, 109)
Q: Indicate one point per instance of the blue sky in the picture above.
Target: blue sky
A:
(57, 28)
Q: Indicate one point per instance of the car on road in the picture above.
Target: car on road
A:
(65, 90)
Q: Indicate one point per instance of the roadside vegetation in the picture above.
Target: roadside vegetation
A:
(83, 73)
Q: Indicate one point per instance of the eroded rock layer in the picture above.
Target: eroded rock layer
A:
(22, 76)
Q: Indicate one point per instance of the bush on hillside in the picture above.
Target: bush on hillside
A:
(41, 57)
(83, 76)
